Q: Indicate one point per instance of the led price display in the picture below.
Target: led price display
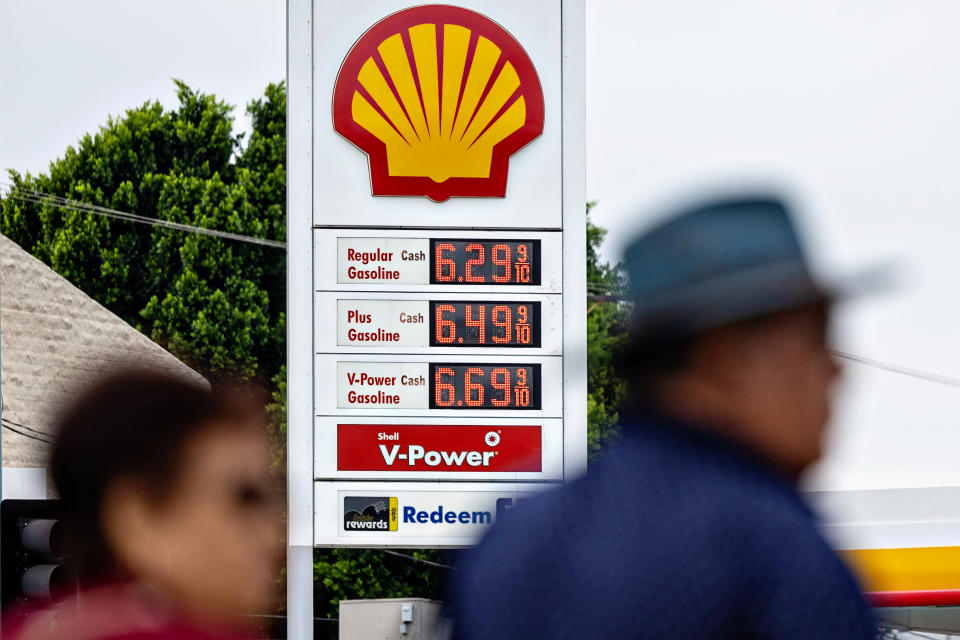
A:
(484, 324)
(485, 262)
(484, 386)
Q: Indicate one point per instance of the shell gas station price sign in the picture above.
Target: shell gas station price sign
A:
(436, 256)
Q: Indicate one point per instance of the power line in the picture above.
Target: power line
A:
(60, 202)
(592, 298)
(416, 559)
(603, 287)
(4, 424)
(23, 426)
(895, 368)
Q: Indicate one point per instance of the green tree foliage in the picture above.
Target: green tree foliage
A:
(217, 304)
(345, 574)
(606, 334)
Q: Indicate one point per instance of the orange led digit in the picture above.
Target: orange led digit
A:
(445, 269)
(503, 261)
(476, 322)
(475, 262)
(502, 322)
(503, 385)
(440, 385)
(470, 387)
(445, 329)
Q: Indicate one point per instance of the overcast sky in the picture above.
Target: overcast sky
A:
(851, 104)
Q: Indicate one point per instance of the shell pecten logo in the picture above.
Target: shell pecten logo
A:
(439, 98)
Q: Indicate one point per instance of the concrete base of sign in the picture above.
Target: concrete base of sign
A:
(393, 619)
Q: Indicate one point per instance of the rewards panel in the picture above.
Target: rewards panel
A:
(408, 513)
(366, 322)
(514, 449)
(442, 385)
(439, 260)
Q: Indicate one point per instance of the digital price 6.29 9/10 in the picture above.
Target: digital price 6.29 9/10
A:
(468, 262)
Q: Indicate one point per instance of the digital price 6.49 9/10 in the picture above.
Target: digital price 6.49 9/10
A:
(484, 324)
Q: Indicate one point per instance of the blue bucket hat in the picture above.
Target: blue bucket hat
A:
(716, 263)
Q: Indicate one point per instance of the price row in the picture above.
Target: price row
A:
(437, 386)
(365, 322)
(448, 261)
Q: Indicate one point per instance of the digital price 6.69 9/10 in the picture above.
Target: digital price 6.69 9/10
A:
(484, 386)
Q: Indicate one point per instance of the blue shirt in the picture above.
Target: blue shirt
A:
(675, 533)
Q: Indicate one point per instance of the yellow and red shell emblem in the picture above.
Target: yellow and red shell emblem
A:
(439, 98)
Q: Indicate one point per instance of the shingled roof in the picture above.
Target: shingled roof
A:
(55, 338)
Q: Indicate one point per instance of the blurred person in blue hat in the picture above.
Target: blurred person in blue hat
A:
(691, 525)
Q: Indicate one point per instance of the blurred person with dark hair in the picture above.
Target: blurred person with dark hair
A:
(173, 523)
(690, 526)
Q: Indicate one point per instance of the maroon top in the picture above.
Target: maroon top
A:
(112, 612)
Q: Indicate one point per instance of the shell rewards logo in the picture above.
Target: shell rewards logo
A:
(439, 97)
(369, 514)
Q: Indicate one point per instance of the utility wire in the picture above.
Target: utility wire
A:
(23, 426)
(34, 432)
(592, 298)
(59, 202)
(416, 559)
(4, 424)
(895, 368)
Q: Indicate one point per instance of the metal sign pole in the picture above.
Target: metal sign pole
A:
(299, 320)
(436, 270)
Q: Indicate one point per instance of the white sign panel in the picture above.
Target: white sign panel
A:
(379, 323)
(382, 385)
(383, 260)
